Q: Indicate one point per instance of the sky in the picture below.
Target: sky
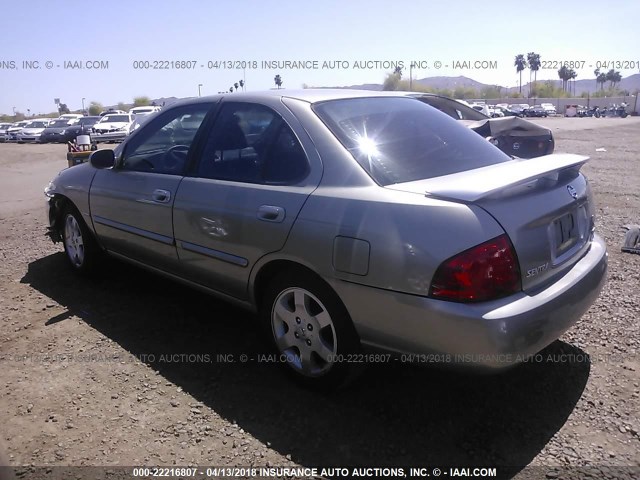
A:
(340, 42)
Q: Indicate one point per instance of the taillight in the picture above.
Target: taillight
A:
(484, 272)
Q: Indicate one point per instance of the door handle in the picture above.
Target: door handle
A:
(271, 213)
(161, 196)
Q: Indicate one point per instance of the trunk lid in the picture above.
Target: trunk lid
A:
(543, 204)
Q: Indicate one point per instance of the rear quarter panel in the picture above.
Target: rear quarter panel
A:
(409, 235)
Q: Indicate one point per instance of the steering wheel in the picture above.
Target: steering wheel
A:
(175, 157)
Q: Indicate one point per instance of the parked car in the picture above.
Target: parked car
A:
(83, 127)
(347, 219)
(14, 129)
(111, 128)
(144, 110)
(549, 108)
(535, 111)
(56, 131)
(517, 109)
(514, 136)
(495, 112)
(138, 121)
(111, 111)
(3, 131)
(33, 130)
(482, 108)
(72, 117)
(505, 112)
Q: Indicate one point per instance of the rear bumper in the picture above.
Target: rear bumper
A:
(29, 138)
(52, 138)
(491, 335)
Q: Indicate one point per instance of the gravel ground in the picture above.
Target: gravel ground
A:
(130, 369)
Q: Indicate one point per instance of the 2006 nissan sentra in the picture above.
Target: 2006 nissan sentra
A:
(346, 219)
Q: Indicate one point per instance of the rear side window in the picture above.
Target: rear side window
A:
(397, 139)
(251, 143)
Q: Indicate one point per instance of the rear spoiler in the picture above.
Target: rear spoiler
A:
(473, 185)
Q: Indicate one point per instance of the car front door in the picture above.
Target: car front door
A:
(131, 203)
(252, 178)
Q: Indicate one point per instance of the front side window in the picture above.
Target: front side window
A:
(163, 145)
(251, 143)
(400, 139)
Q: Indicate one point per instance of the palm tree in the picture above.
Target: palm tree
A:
(563, 73)
(278, 81)
(520, 64)
(572, 76)
(596, 73)
(602, 78)
(616, 78)
(398, 72)
(231, 89)
(534, 64)
(236, 85)
(241, 82)
(613, 77)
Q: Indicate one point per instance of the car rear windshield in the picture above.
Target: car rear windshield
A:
(115, 118)
(59, 123)
(453, 108)
(89, 120)
(398, 139)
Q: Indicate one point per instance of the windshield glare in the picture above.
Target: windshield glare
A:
(401, 139)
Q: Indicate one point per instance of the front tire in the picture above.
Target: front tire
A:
(80, 246)
(310, 329)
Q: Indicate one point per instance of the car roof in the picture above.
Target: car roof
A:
(310, 95)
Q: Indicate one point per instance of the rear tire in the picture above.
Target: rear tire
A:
(310, 330)
(80, 246)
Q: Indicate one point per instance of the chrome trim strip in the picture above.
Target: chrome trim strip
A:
(136, 231)
(217, 254)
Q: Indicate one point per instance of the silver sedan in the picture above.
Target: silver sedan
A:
(350, 221)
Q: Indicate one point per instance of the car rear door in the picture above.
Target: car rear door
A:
(252, 178)
(131, 204)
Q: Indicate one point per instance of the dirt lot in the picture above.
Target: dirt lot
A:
(125, 370)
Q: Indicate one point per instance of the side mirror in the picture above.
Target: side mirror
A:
(102, 159)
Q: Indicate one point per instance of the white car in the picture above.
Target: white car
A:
(146, 110)
(33, 130)
(495, 111)
(70, 116)
(481, 107)
(113, 127)
(15, 129)
(3, 131)
(549, 108)
(111, 112)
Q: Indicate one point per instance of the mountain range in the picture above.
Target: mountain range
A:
(630, 83)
